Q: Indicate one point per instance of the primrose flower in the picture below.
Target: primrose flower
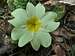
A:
(33, 25)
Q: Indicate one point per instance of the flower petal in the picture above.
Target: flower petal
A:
(44, 38)
(40, 10)
(30, 9)
(35, 43)
(27, 37)
(50, 16)
(20, 17)
(51, 26)
(17, 33)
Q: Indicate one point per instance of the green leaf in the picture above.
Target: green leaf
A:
(72, 53)
(20, 17)
(44, 38)
(73, 46)
(10, 4)
(20, 3)
(15, 4)
(24, 39)
(60, 10)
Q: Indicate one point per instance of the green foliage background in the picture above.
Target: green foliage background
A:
(14, 4)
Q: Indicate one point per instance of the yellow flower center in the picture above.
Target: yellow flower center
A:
(33, 24)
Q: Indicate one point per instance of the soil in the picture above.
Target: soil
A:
(63, 37)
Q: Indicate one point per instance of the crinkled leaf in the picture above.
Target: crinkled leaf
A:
(15, 4)
(60, 10)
